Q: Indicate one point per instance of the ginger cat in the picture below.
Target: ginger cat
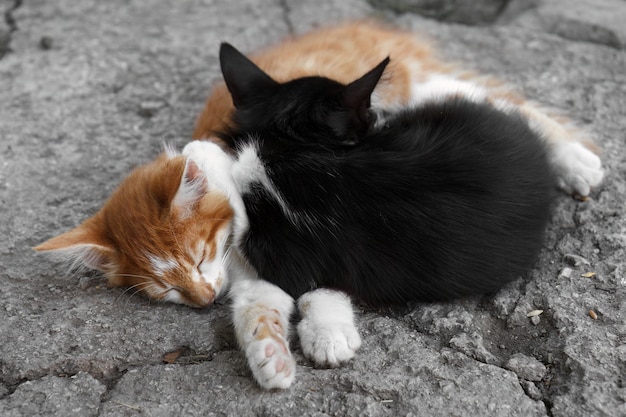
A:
(188, 226)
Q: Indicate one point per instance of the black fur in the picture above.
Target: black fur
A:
(446, 200)
(312, 109)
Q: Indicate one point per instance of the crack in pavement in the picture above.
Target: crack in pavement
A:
(105, 377)
(9, 19)
(108, 373)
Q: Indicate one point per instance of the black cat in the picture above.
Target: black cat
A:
(444, 200)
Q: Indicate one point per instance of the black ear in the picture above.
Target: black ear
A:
(357, 95)
(244, 79)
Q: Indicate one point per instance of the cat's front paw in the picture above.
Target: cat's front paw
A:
(328, 343)
(269, 357)
(578, 169)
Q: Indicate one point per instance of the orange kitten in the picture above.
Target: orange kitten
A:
(155, 236)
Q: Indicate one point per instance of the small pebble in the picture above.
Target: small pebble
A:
(531, 390)
(575, 260)
(45, 43)
(526, 367)
(535, 320)
(473, 346)
(149, 108)
(565, 272)
(87, 281)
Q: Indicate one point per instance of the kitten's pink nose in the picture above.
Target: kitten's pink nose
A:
(202, 295)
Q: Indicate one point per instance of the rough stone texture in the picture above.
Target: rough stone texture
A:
(90, 89)
(397, 373)
(459, 11)
(473, 346)
(78, 395)
(602, 23)
(526, 367)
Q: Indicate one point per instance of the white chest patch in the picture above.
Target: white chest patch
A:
(249, 169)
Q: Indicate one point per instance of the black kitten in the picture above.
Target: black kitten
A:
(445, 200)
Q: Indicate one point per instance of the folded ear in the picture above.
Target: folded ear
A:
(81, 246)
(244, 79)
(193, 186)
(357, 95)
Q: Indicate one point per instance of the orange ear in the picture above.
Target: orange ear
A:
(80, 246)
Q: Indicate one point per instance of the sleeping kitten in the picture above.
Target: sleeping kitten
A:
(167, 227)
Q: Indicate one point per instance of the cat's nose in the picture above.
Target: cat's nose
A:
(202, 295)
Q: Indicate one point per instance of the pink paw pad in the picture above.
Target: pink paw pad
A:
(268, 355)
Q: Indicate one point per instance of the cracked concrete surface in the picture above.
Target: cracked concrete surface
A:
(91, 89)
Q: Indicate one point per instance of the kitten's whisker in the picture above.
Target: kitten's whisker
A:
(126, 290)
(146, 277)
(141, 286)
(134, 286)
(132, 295)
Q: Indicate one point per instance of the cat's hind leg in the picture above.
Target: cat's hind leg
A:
(578, 169)
(327, 332)
(261, 317)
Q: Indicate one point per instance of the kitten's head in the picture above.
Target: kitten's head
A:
(308, 110)
(163, 233)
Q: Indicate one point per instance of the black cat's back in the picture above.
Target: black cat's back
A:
(445, 200)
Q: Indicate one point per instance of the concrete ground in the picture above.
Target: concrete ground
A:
(90, 89)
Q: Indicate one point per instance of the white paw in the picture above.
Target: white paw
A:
(578, 169)
(270, 360)
(328, 343)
